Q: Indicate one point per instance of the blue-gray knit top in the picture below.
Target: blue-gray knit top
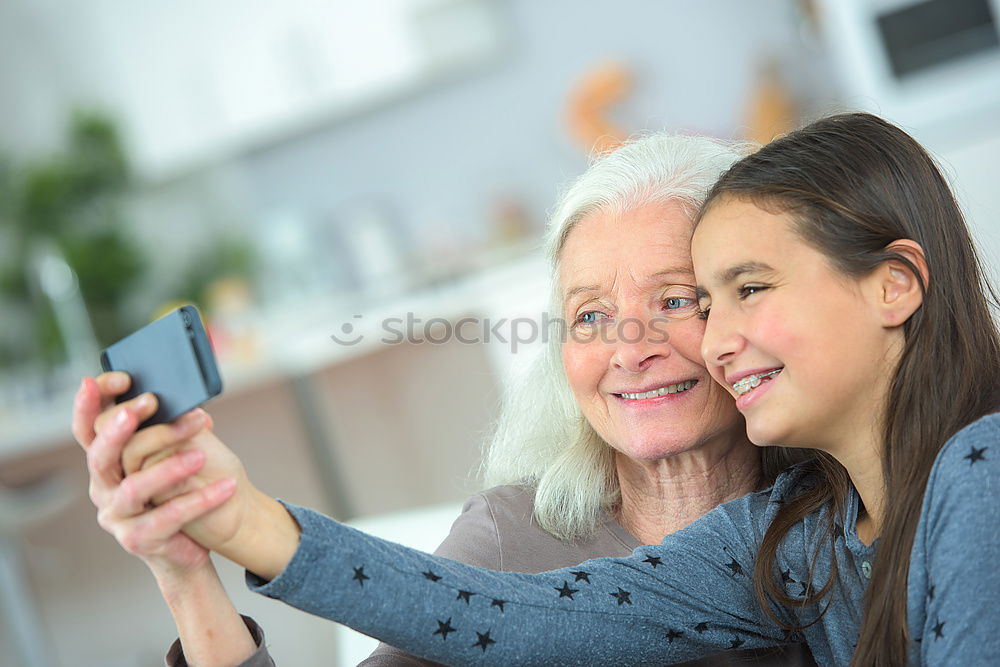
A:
(689, 596)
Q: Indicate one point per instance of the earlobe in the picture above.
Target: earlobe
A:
(902, 289)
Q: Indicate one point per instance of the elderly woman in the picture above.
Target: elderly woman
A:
(615, 437)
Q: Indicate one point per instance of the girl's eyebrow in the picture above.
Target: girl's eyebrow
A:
(734, 272)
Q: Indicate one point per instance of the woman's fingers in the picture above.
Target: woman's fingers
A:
(117, 425)
(93, 398)
(143, 406)
(152, 530)
(136, 491)
(155, 443)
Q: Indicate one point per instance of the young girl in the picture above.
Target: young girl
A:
(845, 312)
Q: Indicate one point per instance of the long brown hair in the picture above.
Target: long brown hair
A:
(853, 184)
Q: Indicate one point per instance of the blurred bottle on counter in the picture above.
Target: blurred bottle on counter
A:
(377, 248)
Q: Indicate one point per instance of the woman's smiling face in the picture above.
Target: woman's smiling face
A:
(632, 356)
(797, 342)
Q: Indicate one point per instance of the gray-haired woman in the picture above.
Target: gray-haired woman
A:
(578, 471)
(615, 437)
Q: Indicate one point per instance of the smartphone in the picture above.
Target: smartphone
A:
(172, 358)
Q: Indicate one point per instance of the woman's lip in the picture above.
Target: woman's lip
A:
(655, 386)
(655, 401)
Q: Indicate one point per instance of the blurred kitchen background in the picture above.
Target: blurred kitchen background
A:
(304, 169)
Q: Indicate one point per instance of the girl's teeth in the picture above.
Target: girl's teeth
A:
(753, 381)
(662, 391)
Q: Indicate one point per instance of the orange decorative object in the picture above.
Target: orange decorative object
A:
(772, 111)
(588, 105)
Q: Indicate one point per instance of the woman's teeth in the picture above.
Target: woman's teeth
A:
(662, 391)
(753, 381)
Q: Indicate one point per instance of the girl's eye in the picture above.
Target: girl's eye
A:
(749, 290)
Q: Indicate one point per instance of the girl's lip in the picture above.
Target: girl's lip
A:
(744, 401)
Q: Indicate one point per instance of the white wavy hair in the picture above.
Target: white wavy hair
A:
(541, 437)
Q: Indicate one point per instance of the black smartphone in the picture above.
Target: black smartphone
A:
(172, 358)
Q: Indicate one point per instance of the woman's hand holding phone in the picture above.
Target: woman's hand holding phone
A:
(195, 482)
(123, 501)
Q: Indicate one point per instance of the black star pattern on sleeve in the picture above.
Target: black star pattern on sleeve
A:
(735, 643)
(430, 575)
(623, 596)
(498, 603)
(786, 577)
(566, 591)
(807, 589)
(938, 629)
(360, 576)
(464, 595)
(701, 627)
(975, 455)
(444, 627)
(673, 634)
(653, 560)
(484, 640)
(581, 576)
(734, 567)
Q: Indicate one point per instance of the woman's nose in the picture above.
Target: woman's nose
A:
(636, 345)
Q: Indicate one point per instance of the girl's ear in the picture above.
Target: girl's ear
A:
(900, 292)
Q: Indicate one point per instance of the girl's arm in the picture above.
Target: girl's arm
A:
(689, 597)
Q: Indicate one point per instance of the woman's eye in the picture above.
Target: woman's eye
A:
(590, 317)
(678, 303)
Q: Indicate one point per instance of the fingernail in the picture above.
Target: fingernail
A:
(121, 417)
(192, 457)
(118, 381)
(79, 392)
(189, 423)
(144, 401)
(227, 485)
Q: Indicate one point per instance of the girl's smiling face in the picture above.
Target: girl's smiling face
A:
(801, 345)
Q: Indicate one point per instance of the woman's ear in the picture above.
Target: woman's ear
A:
(900, 291)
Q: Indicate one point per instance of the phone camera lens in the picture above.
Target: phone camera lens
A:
(187, 318)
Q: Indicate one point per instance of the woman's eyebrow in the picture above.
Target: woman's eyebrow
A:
(576, 290)
(672, 272)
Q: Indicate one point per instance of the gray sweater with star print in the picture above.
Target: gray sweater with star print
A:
(689, 596)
